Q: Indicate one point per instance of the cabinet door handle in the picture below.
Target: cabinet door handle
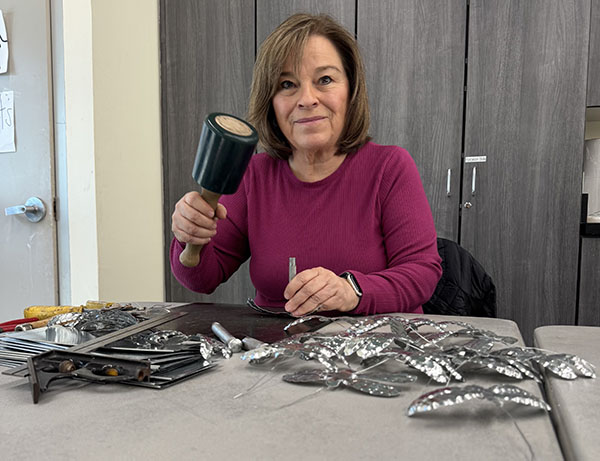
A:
(473, 180)
(448, 181)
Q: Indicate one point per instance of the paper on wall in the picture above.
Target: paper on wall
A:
(7, 122)
(3, 45)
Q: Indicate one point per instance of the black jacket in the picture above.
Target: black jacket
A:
(465, 288)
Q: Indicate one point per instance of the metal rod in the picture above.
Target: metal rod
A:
(292, 269)
(231, 341)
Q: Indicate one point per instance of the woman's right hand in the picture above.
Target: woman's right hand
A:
(193, 220)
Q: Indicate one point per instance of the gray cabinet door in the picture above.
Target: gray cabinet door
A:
(414, 54)
(207, 53)
(526, 85)
(593, 96)
(271, 13)
(589, 289)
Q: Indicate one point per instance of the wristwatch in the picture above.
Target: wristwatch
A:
(354, 284)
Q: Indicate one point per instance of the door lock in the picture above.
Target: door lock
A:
(34, 209)
(468, 205)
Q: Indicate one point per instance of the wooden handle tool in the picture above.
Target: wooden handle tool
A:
(224, 150)
(32, 325)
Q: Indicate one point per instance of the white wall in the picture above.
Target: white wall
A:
(77, 216)
(127, 128)
(113, 151)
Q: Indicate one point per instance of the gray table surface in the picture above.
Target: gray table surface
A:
(576, 403)
(200, 418)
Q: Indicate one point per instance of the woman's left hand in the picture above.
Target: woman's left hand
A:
(321, 289)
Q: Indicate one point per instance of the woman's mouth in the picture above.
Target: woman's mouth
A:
(309, 120)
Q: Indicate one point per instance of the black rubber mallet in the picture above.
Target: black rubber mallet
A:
(224, 150)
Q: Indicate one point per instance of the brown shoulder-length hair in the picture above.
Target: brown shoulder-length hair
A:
(288, 40)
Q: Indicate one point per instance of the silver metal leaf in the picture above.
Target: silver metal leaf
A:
(209, 347)
(481, 345)
(568, 366)
(418, 322)
(265, 353)
(584, 367)
(448, 366)
(368, 345)
(557, 365)
(380, 384)
(446, 323)
(478, 333)
(508, 392)
(307, 318)
(375, 388)
(446, 396)
(432, 339)
(426, 364)
(525, 368)
(395, 377)
(449, 396)
(499, 365)
(398, 327)
(368, 324)
(307, 376)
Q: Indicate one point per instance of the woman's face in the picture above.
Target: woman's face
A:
(310, 104)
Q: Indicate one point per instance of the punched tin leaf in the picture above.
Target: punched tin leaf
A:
(368, 324)
(567, 366)
(425, 364)
(486, 334)
(308, 318)
(449, 396)
(496, 364)
(379, 384)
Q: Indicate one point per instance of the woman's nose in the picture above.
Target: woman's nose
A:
(307, 97)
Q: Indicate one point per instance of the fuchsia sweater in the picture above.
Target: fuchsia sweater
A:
(370, 217)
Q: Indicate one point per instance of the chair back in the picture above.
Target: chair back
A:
(465, 288)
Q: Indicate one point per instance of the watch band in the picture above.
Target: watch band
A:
(353, 283)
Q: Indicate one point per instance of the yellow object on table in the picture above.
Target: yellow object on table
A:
(46, 312)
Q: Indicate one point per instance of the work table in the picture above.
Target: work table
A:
(200, 418)
(576, 404)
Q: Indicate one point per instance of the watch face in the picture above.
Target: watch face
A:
(353, 283)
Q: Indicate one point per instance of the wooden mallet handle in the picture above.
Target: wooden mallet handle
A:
(190, 256)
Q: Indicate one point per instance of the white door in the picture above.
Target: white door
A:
(28, 272)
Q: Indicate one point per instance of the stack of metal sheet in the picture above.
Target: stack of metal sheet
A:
(167, 366)
(171, 355)
(15, 347)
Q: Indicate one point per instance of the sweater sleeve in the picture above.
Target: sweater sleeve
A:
(223, 255)
(413, 263)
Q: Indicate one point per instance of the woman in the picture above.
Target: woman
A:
(353, 213)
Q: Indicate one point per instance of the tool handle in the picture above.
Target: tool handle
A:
(17, 322)
(32, 325)
(212, 198)
(45, 312)
(190, 256)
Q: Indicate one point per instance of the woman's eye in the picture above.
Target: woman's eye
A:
(286, 85)
(325, 80)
